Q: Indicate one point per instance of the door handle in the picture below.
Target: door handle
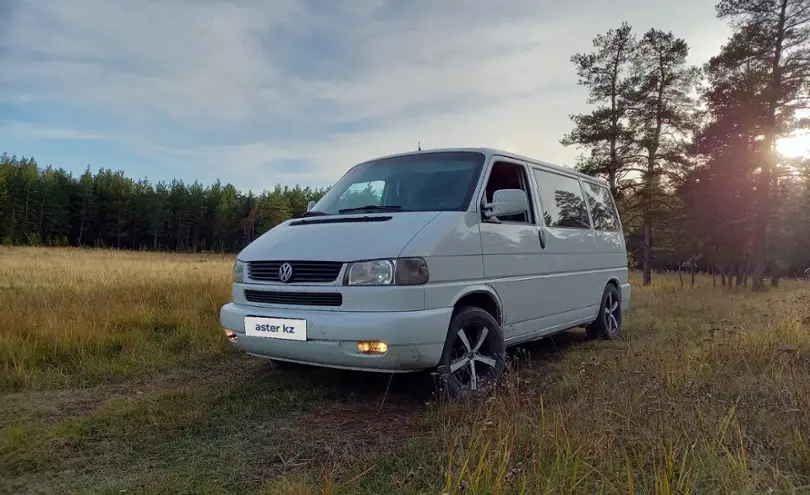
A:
(542, 235)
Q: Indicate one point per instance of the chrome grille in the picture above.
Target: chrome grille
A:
(302, 271)
(294, 298)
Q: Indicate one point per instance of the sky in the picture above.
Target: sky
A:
(257, 93)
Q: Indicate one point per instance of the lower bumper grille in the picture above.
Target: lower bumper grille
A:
(294, 298)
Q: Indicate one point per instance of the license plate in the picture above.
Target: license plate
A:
(276, 328)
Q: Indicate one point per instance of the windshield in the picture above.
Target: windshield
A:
(440, 181)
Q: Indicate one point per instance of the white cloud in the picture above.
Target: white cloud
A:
(171, 74)
(182, 60)
(27, 131)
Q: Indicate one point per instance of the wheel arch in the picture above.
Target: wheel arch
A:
(615, 282)
(483, 297)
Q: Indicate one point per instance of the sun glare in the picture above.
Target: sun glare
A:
(794, 146)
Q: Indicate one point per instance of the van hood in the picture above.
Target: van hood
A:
(338, 237)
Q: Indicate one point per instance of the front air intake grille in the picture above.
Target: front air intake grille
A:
(294, 298)
(302, 271)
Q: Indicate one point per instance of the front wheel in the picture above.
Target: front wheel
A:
(474, 353)
(608, 324)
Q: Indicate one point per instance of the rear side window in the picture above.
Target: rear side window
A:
(602, 210)
(563, 202)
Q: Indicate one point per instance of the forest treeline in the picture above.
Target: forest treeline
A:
(51, 207)
(691, 155)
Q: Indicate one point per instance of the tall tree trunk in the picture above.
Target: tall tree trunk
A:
(747, 273)
(41, 215)
(81, 230)
(762, 232)
(647, 260)
(81, 224)
(680, 274)
(692, 281)
(652, 152)
(762, 229)
(614, 189)
(25, 217)
(614, 130)
(647, 227)
(615, 117)
(723, 277)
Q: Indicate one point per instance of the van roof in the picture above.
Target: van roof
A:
(494, 151)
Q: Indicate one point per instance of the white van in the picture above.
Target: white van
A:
(429, 259)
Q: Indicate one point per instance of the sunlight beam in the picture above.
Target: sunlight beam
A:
(794, 146)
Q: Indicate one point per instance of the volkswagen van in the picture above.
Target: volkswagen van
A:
(436, 259)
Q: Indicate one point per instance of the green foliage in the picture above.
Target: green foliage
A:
(34, 239)
(637, 136)
(603, 131)
(761, 78)
(698, 181)
(51, 207)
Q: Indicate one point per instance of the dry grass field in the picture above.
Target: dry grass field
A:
(115, 377)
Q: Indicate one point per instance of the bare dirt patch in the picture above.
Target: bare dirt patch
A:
(341, 433)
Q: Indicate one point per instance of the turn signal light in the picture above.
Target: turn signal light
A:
(372, 347)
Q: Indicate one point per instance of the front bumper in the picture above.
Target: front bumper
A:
(415, 338)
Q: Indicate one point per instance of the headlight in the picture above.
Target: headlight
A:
(238, 272)
(376, 272)
(402, 271)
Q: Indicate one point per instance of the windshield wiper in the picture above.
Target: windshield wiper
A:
(314, 213)
(371, 208)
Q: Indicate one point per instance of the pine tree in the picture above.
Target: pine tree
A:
(661, 122)
(772, 39)
(603, 131)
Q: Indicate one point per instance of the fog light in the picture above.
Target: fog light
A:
(231, 335)
(372, 347)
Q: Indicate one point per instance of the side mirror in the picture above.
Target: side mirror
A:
(507, 202)
(310, 205)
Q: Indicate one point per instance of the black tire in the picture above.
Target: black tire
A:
(472, 365)
(608, 323)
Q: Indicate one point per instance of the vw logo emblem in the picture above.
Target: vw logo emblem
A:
(285, 272)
